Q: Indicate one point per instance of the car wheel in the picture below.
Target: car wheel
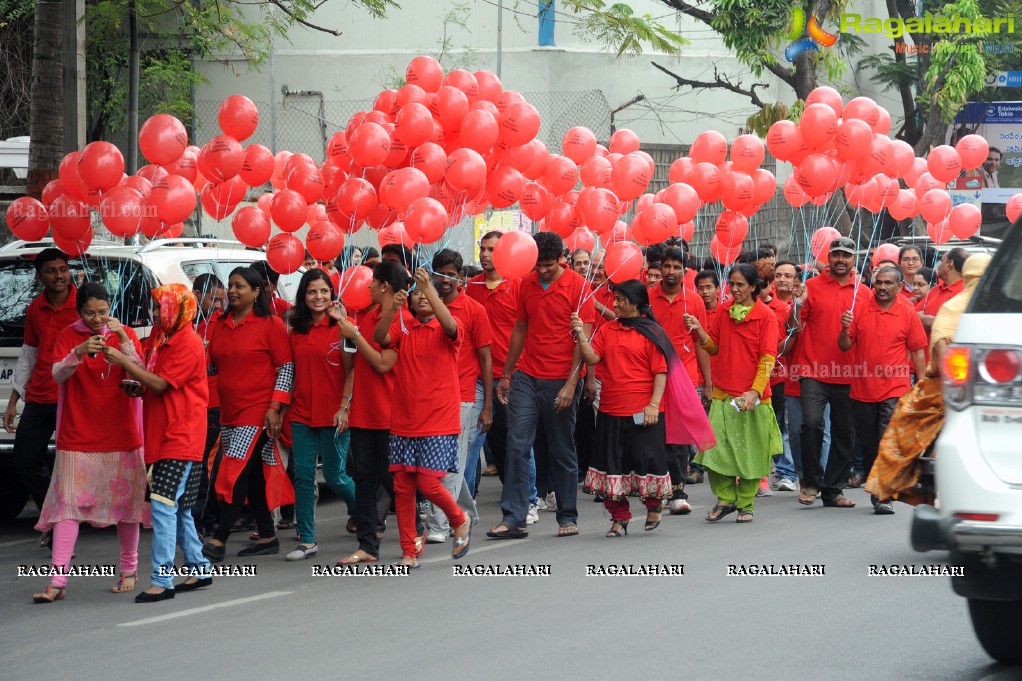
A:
(996, 626)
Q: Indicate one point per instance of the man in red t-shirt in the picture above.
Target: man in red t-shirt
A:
(46, 316)
(671, 301)
(543, 393)
(826, 374)
(882, 333)
(209, 292)
(949, 271)
(474, 363)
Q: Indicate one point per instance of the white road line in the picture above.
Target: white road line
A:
(19, 541)
(493, 545)
(205, 608)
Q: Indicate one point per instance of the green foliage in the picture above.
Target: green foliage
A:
(957, 69)
(12, 10)
(888, 72)
(752, 28)
(391, 78)
(617, 27)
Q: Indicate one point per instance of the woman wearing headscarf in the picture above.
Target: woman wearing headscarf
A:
(919, 415)
(98, 475)
(642, 378)
(250, 353)
(743, 337)
(175, 393)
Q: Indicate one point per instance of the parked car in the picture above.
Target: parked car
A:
(129, 273)
(977, 460)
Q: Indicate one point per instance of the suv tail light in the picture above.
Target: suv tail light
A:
(982, 375)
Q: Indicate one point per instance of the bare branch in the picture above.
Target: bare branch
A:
(694, 12)
(283, 8)
(719, 82)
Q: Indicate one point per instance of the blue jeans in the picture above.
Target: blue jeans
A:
(310, 444)
(172, 527)
(793, 445)
(784, 466)
(530, 407)
(479, 437)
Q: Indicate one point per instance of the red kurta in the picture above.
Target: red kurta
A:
(741, 344)
(170, 418)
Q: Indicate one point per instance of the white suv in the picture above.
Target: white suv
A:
(129, 273)
(978, 458)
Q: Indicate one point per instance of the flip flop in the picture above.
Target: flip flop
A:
(507, 533)
(744, 516)
(811, 492)
(355, 559)
(461, 544)
(721, 510)
(567, 530)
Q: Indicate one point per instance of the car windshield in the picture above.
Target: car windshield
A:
(1000, 290)
(127, 281)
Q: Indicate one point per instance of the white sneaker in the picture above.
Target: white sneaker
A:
(436, 537)
(533, 516)
(302, 552)
(787, 486)
(551, 502)
(679, 507)
(540, 504)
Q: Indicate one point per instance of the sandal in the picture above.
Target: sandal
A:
(807, 496)
(617, 527)
(46, 539)
(462, 540)
(840, 501)
(505, 531)
(567, 530)
(407, 562)
(719, 511)
(125, 583)
(51, 593)
(420, 545)
(652, 524)
(352, 526)
(359, 556)
(286, 525)
(744, 516)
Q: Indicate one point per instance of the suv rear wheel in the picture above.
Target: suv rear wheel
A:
(996, 624)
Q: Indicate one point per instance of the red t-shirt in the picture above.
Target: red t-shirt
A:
(43, 323)
(95, 414)
(671, 315)
(501, 305)
(822, 359)
(170, 417)
(780, 309)
(741, 344)
(793, 365)
(631, 362)
(204, 328)
(472, 322)
(246, 356)
(371, 391)
(883, 339)
(426, 381)
(279, 306)
(319, 375)
(937, 296)
(710, 315)
(549, 342)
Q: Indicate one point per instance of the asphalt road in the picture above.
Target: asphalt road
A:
(285, 623)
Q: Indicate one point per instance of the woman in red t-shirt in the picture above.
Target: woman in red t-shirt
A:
(425, 424)
(630, 457)
(322, 390)
(250, 353)
(99, 474)
(743, 336)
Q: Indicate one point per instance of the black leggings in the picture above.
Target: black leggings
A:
(251, 485)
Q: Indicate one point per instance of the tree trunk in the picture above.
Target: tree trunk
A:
(46, 112)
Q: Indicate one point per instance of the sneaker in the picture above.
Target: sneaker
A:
(551, 502)
(436, 537)
(540, 504)
(883, 508)
(764, 489)
(490, 471)
(694, 478)
(533, 516)
(787, 486)
(679, 507)
(302, 552)
(422, 508)
(856, 480)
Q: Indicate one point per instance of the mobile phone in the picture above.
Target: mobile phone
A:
(639, 418)
(130, 383)
(349, 345)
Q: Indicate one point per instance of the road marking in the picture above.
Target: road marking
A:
(205, 608)
(19, 541)
(499, 544)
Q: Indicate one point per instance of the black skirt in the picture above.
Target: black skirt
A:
(628, 460)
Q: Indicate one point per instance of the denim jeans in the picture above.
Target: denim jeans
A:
(310, 444)
(531, 407)
(793, 417)
(784, 466)
(436, 520)
(478, 438)
(172, 527)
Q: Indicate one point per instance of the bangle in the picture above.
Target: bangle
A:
(583, 341)
(505, 376)
(655, 405)
(357, 334)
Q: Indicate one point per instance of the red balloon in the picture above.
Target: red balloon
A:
(69, 177)
(515, 255)
(464, 81)
(257, 166)
(401, 187)
(212, 207)
(944, 164)
(579, 144)
(738, 190)
(905, 206)
(819, 244)
(100, 165)
(369, 145)
(520, 124)
(935, 206)
(731, 229)
(355, 287)
(687, 231)
(504, 187)
(426, 220)
(1014, 207)
(939, 232)
(69, 217)
(52, 190)
(288, 210)
(624, 141)
(705, 179)
(972, 150)
(560, 175)
(601, 210)
(826, 95)
(285, 253)
(747, 153)
(654, 224)
(853, 139)
(964, 220)
(479, 130)
(630, 176)
(223, 157)
(816, 174)
(238, 117)
(73, 247)
(27, 219)
(925, 183)
(902, 159)
(413, 124)
(623, 261)
(535, 201)
(425, 72)
(580, 238)
(251, 226)
(562, 219)
(709, 147)
(818, 124)
(917, 170)
(385, 101)
(864, 109)
(187, 166)
(162, 139)
(784, 140)
(123, 210)
(154, 174)
(885, 252)
(307, 181)
(597, 172)
(465, 170)
(394, 233)
(860, 195)
(449, 106)
(520, 157)
(540, 157)
(683, 199)
(337, 150)
(765, 186)
(680, 169)
(722, 254)
(883, 125)
(263, 202)
(490, 88)
(229, 193)
(324, 241)
(174, 199)
(793, 193)
(356, 198)
(881, 151)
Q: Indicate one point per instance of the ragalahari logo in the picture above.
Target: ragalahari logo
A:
(816, 39)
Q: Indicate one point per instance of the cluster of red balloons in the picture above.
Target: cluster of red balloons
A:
(839, 145)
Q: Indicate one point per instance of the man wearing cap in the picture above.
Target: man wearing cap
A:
(825, 374)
